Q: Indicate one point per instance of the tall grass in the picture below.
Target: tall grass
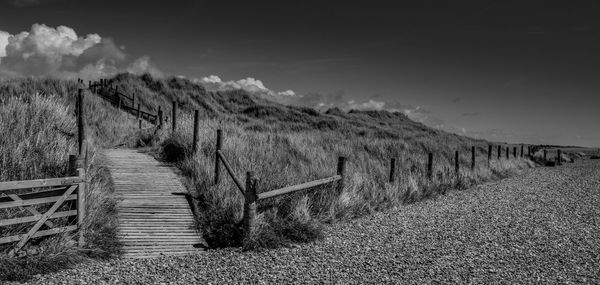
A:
(282, 158)
(39, 132)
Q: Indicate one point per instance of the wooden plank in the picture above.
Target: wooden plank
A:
(25, 184)
(299, 187)
(36, 217)
(39, 234)
(30, 209)
(35, 201)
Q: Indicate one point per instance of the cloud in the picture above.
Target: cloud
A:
(60, 52)
(249, 84)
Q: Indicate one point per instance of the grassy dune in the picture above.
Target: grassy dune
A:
(39, 132)
(284, 145)
(287, 145)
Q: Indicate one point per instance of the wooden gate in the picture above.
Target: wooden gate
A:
(17, 197)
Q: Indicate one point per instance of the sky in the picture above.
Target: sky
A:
(509, 71)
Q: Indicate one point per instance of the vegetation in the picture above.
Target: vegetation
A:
(287, 145)
(284, 145)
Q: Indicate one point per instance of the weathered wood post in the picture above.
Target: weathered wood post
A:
(174, 116)
(341, 171)
(392, 169)
(499, 152)
(160, 118)
(138, 112)
(489, 154)
(472, 158)
(456, 165)
(72, 166)
(140, 124)
(558, 157)
(250, 198)
(81, 206)
(217, 161)
(545, 154)
(80, 122)
(507, 153)
(522, 151)
(515, 152)
(430, 166)
(119, 103)
(196, 131)
(89, 84)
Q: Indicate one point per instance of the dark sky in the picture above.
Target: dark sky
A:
(519, 71)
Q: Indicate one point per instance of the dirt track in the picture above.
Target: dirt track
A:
(539, 227)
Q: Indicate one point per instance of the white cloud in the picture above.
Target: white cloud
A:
(369, 105)
(60, 52)
(286, 93)
(3, 43)
(249, 84)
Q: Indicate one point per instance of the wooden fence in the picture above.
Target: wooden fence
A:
(54, 191)
(124, 102)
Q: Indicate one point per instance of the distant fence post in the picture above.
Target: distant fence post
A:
(137, 116)
(545, 154)
(160, 118)
(196, 130)
(392, 169)
(558, 157)
(72, 166)
(174, 116)
(499, 152)
(140, 124)
(80, 122)
(507, 152)
(217, 162)
(472, 158)
(489, 154)
(341, 171)
(515, 152)
(89, 84)
(119, 102)
(430, 166)
(249, 204)
(457, 165)
(522, 151)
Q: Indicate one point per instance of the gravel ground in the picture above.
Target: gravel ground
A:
(539, 227)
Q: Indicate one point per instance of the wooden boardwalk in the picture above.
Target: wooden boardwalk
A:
(154, 215)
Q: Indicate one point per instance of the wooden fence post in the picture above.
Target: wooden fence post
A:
(217, 161)
(249, 204)
(174, 116)
(72, 169)
(489, 154)
(522, 151)
(392, 169)
(80, 122)
(160, 118)
(119, 103)
(545, 154)
(89, 84)
(515, 152)
(457, 165)
(138, 112)
(341, 171)
(472, 158)
(507, 153)
(81, 206)
(499, 152)
(196, 130)
(558, 157)
(140, 124)
(430, 166)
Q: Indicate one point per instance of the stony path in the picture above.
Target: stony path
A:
(540, 227)
(154, 215)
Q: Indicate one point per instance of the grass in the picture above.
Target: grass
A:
(284, 145)
(39, 133)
